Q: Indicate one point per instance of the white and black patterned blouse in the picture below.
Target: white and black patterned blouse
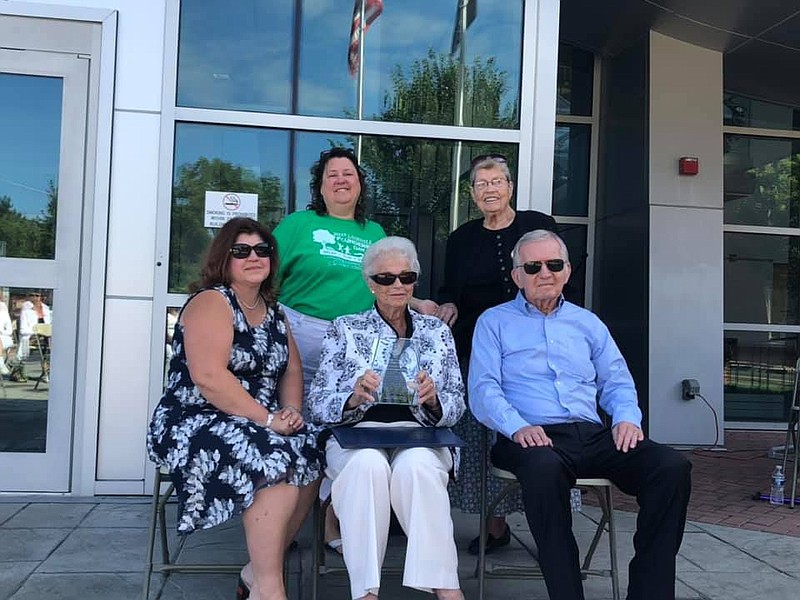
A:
(347, 353)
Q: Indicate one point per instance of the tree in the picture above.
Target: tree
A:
(189, 238)
(412, 179)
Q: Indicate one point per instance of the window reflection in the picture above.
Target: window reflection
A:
(740, 111)
(411, 185)
(571, 170)
(30, 122)
(762, 181)
(759, 375)
(575, 81)
(26, 319)
(762, 279)
(292, 58)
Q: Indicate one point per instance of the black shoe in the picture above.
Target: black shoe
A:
(492, 543)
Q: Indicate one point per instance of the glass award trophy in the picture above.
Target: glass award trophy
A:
(396, 361)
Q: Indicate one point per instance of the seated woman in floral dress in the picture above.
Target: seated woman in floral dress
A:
(229, 427)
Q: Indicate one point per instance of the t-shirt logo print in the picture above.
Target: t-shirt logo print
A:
(339, 246)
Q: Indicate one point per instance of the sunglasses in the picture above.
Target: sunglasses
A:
(242, 250)
(554, 265)
(481, 157)
(406, 278)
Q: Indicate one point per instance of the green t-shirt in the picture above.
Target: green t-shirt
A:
(320, 263)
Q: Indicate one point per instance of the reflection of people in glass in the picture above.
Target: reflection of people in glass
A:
(27, 327)
(229, 426)
(478, 276)
(368, 483)
(6, 335)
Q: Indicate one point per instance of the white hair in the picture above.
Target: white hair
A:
(538, 235)
(390, 246)
(489, 163)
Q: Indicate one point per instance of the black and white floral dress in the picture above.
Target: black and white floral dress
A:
(216, 460)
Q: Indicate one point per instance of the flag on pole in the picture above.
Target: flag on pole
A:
(471, 6)
(372, 10)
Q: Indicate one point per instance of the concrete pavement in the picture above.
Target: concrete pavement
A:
(94, 548)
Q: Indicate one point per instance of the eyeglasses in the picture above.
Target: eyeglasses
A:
(532, 267)
(242, 250)
(480, 158)
(497, 182)
(406, 278)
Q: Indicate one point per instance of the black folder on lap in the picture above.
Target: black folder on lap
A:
(395, 437)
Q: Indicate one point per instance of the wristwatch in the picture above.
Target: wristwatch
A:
(268, 423)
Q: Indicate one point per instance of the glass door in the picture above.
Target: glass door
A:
(43, 98)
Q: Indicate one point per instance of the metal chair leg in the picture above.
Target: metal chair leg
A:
(148, 563)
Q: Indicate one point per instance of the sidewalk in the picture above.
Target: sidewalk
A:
(93, 549)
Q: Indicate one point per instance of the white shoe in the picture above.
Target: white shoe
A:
(4, 370)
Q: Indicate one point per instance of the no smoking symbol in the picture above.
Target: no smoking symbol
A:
(231, 202)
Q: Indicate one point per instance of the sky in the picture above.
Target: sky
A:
(30, 133)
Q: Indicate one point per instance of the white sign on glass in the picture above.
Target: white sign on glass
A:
(396, 361)
(221, 207)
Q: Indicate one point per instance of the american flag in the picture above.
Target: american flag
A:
(372, 11)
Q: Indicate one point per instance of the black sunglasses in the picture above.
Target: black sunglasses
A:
(554, 265)
(242, 250)
(480, 158)
(406, 277)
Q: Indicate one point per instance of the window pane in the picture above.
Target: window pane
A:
(223, 159)
(410, 185)
(759, 375)
(762, 181)
(25, 341)
(30, 122)
(762, 279)
(574, 237)
(740, 111)
(293, 58)
(575, 77)
(571, 170)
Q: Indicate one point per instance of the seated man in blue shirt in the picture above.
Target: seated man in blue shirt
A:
(539, 365)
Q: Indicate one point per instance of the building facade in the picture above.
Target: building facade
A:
(125, 122)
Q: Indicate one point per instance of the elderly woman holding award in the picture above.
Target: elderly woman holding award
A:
(391, 370)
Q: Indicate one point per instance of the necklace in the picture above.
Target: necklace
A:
(246, 305)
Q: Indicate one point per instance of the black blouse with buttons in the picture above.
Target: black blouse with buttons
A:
(477, 273)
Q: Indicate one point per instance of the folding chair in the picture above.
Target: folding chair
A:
(792, 434)
(601, 487)
(43, 332)
(168, 563)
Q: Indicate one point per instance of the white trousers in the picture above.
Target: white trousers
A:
(367, 484)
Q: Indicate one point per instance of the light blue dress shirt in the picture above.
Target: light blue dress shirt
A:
(528, 368)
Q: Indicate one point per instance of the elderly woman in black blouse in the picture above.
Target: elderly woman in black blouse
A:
(477, 276)
(369, 482)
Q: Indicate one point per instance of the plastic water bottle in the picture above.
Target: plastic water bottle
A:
(776, 489)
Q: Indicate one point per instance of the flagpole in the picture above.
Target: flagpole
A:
(360, 96)
(459, 116)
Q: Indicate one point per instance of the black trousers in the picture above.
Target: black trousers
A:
(657, 475)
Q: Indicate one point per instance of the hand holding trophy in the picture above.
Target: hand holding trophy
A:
(396, 361)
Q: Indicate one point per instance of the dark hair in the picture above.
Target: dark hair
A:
(317, 203)
(214, 270)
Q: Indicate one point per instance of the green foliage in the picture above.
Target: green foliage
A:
(29, 237)
(188, 237)
(414, 176)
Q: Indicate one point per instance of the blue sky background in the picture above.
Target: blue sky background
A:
(239, 55)
(30, 130)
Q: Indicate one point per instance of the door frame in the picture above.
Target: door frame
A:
(95, 30)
